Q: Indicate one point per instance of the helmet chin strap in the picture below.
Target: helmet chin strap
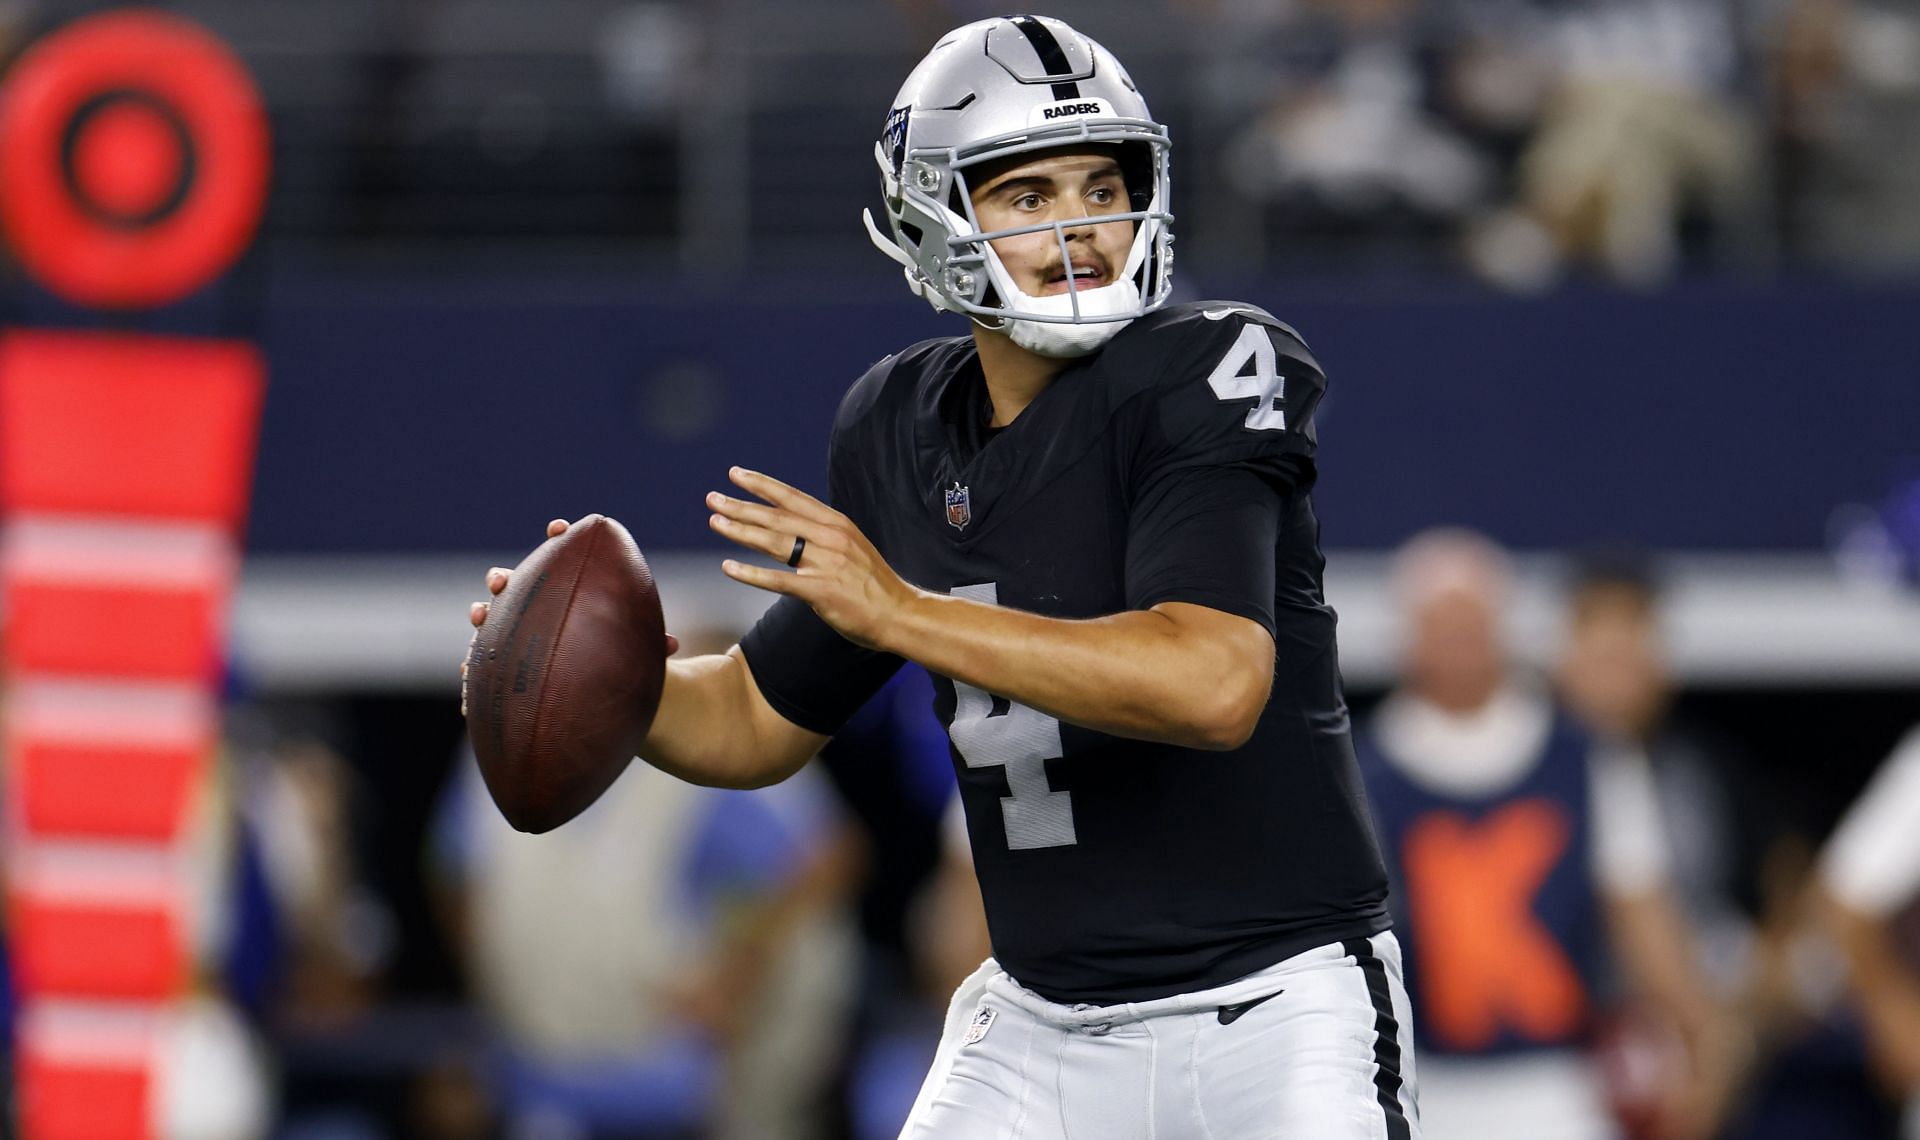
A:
(1070, 340)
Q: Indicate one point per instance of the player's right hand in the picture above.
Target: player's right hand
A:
(497, 579)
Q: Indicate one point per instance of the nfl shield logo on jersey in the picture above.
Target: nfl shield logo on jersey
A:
(959, 509)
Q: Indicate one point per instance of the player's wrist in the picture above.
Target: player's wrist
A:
(907, 625)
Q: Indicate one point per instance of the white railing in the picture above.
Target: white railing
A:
(319, 623)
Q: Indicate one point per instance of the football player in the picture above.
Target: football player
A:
(1090, 519)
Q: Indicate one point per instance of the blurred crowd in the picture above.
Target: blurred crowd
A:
(1617, 924)
(1518, 141)
(1527, 139)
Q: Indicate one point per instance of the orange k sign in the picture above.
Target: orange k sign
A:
(1486, 962)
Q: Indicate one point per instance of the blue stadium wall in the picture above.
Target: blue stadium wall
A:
(460, 415)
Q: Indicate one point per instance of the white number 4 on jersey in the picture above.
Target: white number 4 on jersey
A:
(1232, 380)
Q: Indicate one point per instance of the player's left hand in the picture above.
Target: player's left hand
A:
(840, 574)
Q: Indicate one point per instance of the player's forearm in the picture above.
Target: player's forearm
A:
(1656, 946)
(708, 732)
(1886, 994)
(1139, 674)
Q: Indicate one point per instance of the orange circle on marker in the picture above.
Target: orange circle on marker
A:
(133, 159)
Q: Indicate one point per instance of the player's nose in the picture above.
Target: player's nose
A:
(1077, 226)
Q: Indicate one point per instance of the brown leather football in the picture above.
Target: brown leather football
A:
(564, 678)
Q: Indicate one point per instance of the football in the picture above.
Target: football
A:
(564, 677)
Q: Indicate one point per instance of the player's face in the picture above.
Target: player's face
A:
(1070, 186)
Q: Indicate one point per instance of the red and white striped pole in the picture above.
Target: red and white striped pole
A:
(133, 165)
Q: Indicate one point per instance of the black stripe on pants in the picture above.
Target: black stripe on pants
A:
(1386, 1037)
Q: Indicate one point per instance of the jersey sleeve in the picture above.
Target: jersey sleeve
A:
(811, 675)
(1205, 535)
(1240, 390)
(1223, 442)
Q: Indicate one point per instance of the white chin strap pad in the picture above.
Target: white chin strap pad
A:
(1068, 340)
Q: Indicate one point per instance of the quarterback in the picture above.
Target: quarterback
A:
(1090, 519)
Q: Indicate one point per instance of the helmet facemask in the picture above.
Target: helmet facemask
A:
(950, 260)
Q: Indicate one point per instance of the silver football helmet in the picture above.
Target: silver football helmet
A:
(1009, 86)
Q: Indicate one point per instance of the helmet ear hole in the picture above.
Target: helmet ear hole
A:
(912, 233)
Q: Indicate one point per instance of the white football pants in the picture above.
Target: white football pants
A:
(1317, 1047)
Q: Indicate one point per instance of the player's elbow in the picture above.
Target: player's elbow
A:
(1224, 671)
(762, 767)
(1227, 711)
(1226, 731)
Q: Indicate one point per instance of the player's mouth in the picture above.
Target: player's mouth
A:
(1079, 276)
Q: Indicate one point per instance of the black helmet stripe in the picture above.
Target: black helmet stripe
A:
(1051, 57)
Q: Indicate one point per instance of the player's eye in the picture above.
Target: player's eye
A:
(1027, 202)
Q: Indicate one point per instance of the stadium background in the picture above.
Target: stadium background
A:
(526, 260)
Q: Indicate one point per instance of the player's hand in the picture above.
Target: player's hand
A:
(497, 579)
(499, 576)
(840, 574)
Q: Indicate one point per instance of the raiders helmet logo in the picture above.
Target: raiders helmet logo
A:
(894, 138)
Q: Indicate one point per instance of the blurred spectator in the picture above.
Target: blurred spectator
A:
(1736, 870)
(1847, 74)
(668, 964)
(1613, 675)
(1522, 851)
(332, 936)
(1810, 1075)
(1639, 130)
(1870, 879)
(298, 795)
(1352, 137)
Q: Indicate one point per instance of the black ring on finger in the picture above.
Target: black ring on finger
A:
(799, 545)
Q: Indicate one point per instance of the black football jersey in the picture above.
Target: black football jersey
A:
(1173, 465)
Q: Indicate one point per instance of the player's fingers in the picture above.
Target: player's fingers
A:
(781, 495)
(497, 579)
(477, 613)
(557, 527)
(772, 543)
(673, 645)
(767, 518)
(766, 578)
